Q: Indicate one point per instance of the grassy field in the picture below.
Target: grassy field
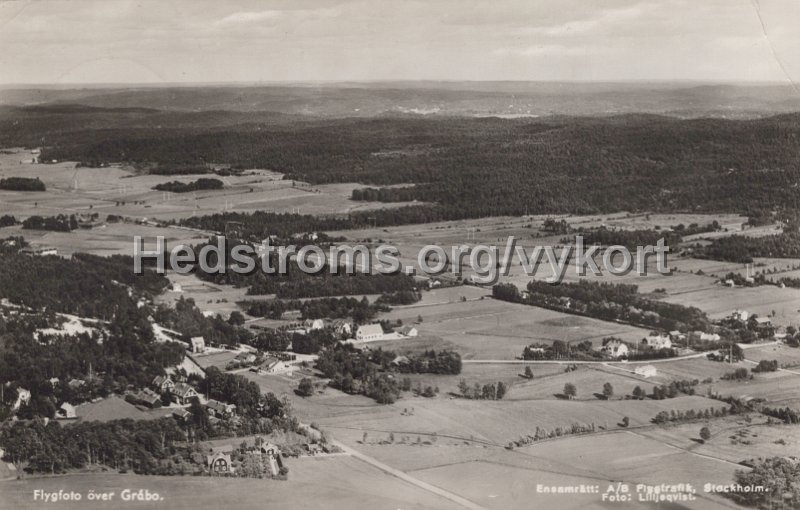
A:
(342, 482)
(496, 422)
(788, 357)
(491, 329)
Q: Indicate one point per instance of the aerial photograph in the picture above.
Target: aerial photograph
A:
(397, 255)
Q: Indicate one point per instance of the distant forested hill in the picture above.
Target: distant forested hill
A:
(468, 167)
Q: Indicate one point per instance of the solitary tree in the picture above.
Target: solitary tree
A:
(570, 391)
(528, 372)
(638, 393)
(626, 421)
(705, 434)
(608, 390)
(305, 388)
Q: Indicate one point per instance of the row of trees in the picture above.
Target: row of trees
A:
(606, 301)
(58, 223)
(489, 391)
(22, 184)
(185, 187)
(360, 310)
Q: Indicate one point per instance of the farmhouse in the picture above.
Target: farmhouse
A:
(198, 344)
(245, 357)
(615, 349)
(184, 393)
(408, 331)
(368, 332)
(342, 327)
(163, 383)
(646, 371)
(705, 337)
(657, 342)
(219, 463)
(677, 336)
(273, 365)
(146, 397)
(311, 325)
(740, 315)
(220, 409)
(181, 414)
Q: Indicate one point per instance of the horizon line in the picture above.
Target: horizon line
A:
(390, 81)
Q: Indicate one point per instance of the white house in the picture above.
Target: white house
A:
(66, 411)
(273, 366)
(646, 371)
(615, 349)
(198, 344)
(657, 342)
(219, 463)
(23, 397)
(368, 332)
(740, 315)
(710, 337)
(311, 325)
(408, 331)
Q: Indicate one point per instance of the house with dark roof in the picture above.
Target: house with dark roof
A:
(184, 393)
(220, 409)
(163, 383)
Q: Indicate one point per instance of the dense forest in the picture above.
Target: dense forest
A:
(462, 167)
(295, 283)
(85, 285)
(743, 249)
(120, 355)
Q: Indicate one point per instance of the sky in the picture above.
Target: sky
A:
(196, 41)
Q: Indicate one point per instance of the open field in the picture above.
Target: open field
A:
(120, 190)
(111, 239)
(719, 301)
(788, 357)
(492, 329)
(732, 438)
(488, 374)
(510, 479)
(342, 482)
(498, 422)
(588, 380)
(209, 297)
